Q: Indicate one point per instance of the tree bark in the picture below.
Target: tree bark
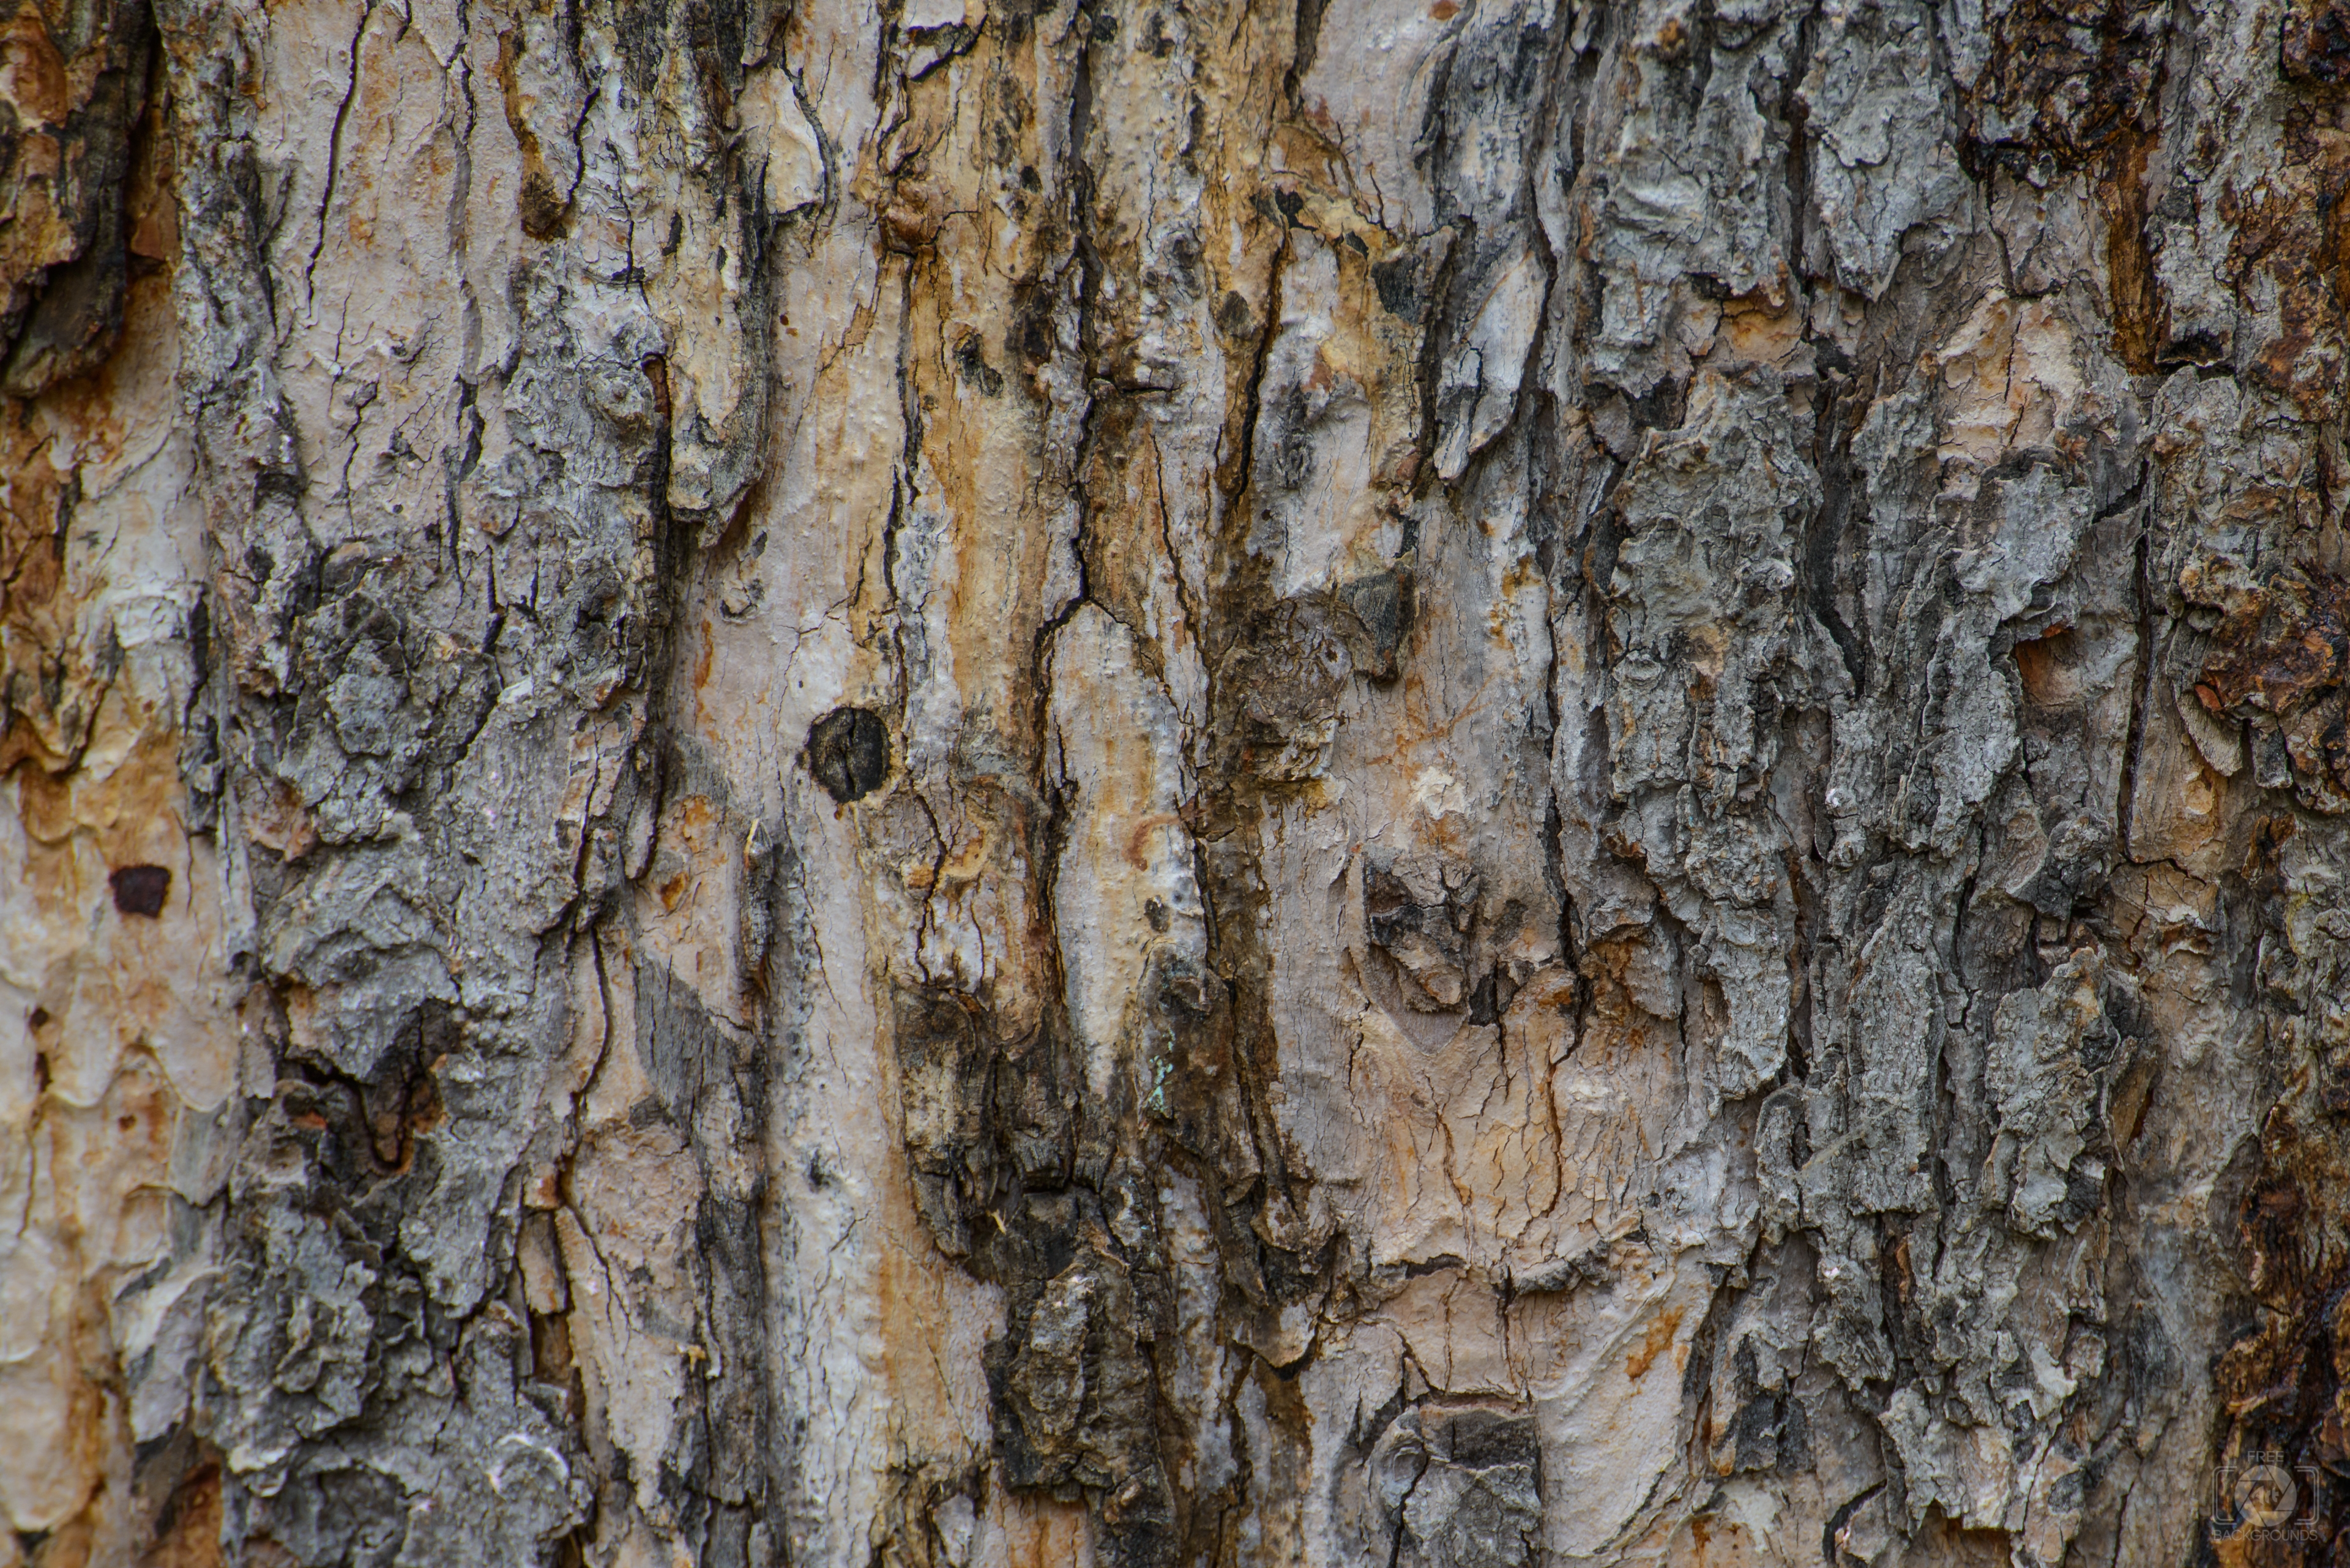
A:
(979, 783)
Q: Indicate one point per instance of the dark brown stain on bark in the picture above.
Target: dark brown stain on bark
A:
(188, 1535)
(2064, 82)
(2315, 43)
(2284, 1416)
(79, 94)
(848, 753)
(2129, 263)
(545, 208)
(2278, 647)
(141, 889)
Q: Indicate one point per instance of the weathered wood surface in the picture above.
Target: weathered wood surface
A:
(1440, 785)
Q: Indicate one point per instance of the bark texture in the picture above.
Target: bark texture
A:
(1441, 784)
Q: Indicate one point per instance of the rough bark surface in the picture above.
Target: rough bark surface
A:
(1432, 783)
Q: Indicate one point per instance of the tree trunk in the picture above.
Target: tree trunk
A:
(1157, 785)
